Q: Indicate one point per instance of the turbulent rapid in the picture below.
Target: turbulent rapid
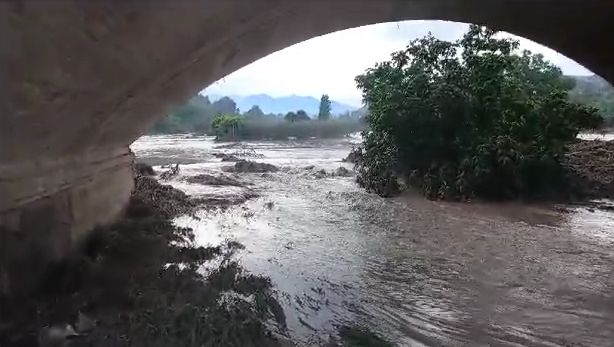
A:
(417, 272)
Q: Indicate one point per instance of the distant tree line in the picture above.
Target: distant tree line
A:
(195, 116)
(223, 119)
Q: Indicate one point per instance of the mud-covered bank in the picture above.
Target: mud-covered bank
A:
(591, 163)
(141, 282)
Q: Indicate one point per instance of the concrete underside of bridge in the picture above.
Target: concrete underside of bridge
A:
(82, 80)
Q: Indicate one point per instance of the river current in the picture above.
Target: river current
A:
(418, 272)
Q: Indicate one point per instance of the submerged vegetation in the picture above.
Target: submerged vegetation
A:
(468, 118)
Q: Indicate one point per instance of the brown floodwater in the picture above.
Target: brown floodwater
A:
(418, 272)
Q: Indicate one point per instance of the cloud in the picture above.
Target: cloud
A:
(328, 64)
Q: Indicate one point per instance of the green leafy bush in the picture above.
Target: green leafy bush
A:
(468, 118)
(227, 126)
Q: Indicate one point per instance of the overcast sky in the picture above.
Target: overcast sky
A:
(328, 64)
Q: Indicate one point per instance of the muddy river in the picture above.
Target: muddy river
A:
(418, 272)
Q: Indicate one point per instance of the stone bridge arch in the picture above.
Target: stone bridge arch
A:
(82, 80)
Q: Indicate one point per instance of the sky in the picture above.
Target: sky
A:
(329, 63)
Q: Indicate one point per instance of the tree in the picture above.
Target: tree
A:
(302, 116)
(290, 117)
(225, 105)
(467, 118)
(227, 126)
(201, 100)
(325, 107)
(194, 116)
(299, 116)
(254, 112)
(167, 125)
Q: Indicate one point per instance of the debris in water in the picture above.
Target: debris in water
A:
(226, 200)
(170, 173)
(592, 164)
(251, 166)
(211, 180)
(164, 198)
(320, 174)
(226, 157)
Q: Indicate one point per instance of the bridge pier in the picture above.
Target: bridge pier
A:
(48, 206)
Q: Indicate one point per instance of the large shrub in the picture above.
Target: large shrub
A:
(227, 126)
(466, 118)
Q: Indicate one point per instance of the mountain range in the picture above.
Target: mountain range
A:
(285, 104)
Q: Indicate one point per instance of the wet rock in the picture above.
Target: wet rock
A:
(251, 166)
(310, 167)
(320, 174)
(144, 169)
(269, 205)
(343, 172)
(226, 157)
(230, 158)
(223, 201)
(211, 180)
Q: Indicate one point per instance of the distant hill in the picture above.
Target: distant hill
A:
(285, 104)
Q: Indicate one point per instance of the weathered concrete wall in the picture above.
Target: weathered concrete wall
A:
(82, 80)
(61, 201)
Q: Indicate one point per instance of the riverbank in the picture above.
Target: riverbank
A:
(142, 282)
(591, 164)
(587, 174)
